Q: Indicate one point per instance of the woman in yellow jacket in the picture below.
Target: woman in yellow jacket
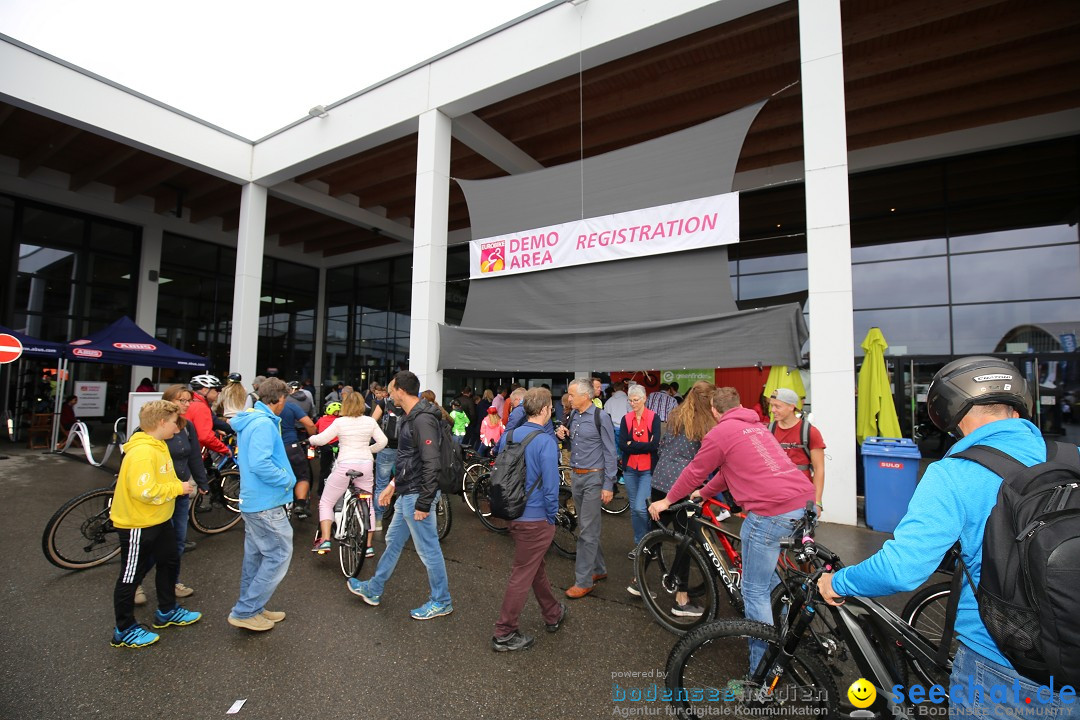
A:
(141, 511)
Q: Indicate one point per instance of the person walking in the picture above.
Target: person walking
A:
(417, 488)
(533, 531)
(592, 459)
(266, 489)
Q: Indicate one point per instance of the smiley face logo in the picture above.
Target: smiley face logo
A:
(861, 693)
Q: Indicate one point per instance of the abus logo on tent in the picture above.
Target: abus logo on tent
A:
(145, 347)
(79, 352)
(80, 342)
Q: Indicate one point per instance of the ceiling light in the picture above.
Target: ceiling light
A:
(319, 111)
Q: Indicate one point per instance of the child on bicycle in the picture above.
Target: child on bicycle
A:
(491, 429)
(354, 432)
(141, 512)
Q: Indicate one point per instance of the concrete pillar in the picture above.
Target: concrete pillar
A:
(319, 331)
(429, 249)
(251, 237)
(146, 307)
(828, 242)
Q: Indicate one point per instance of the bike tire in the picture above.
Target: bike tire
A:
(482, 503)
(353, 545)
(444, 516)
(714, 656)
(472, 472)
(566, 526)
(219, 509)
(620, 501)
(925, 612)
(657, 580)
(80, 534)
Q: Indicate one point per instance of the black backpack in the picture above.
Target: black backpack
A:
(451, 462)
(507, 490)
(1027, 592)
(389, 423)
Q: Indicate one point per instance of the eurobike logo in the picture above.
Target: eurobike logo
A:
(1003, 696)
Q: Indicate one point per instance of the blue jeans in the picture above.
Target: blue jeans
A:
(180, 526)
(981, 688)
(761, 537)
(425, 537)
(638, 486)
(385, 460)
(268, 546)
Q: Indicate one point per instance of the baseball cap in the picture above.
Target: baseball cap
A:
(786, 395)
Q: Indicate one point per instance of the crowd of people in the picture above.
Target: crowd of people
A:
(667, 447)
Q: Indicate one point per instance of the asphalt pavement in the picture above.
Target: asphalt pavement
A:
(333, 657)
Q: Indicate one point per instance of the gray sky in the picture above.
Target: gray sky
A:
(250, 67)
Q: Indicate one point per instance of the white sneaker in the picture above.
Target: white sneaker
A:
(140, 595)
(183, 591)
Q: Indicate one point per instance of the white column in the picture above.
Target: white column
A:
(429, 249)
(828, 243)
(244, 347)
(147, 304)
(319, 332)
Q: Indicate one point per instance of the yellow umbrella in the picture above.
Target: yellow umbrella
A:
(782, 376)
(876, 413)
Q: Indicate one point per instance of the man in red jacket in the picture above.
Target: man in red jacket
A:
(206, 389)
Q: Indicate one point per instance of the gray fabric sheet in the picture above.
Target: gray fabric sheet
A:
(771, 336)
(660, 312)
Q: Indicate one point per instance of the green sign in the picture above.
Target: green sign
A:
(686, 378)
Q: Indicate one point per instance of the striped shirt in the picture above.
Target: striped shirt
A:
(661, 403)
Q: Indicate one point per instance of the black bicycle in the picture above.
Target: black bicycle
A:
(80, 534)
(566, 519)
(708, 671)
(219, 508)
(444, 516)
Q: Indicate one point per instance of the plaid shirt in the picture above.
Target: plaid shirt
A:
(661, 403)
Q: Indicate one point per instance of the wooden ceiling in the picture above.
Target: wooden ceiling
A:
(913, 68)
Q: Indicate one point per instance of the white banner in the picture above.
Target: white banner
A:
(688, 225)
(91, 399)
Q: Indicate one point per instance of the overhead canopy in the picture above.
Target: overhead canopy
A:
(33, 347)
(670, 310)
(125, 343)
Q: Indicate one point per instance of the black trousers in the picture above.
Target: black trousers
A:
(139, 549)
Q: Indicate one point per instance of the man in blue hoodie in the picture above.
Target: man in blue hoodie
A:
(982, 401)
(266, 489)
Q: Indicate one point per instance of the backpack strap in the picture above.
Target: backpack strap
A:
(525, 444)
(1015, 473)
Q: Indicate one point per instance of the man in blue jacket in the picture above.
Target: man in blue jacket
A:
(534, 530)
(266, 489)
(982, 401)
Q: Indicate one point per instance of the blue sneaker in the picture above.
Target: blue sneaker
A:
(363, 589)
(135, 636)
(176, 616)
(430, 610)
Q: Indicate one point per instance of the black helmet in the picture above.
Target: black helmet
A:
(235, 377)
(977, 380)
(293, 385)
(205, 381)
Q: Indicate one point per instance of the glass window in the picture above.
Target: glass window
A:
(922, 331)
(774, 263)
(112, 239)
(900, 283)
(982, 328)
(1004, 239)
(51, 229)
(895, 251)
(1033, 273)
(776, 283)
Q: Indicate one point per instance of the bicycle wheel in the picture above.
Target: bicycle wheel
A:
(925, 612)
(219, 509)
(80, 534)
(444, 516)
(472, 472)
(353, 545)
(482, 503)
(663, 566)
(566, 524)
(620, 500)
(707, 670)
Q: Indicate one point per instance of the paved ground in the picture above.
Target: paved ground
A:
(334, 657)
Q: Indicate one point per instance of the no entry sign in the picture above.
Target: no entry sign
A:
(10, 348)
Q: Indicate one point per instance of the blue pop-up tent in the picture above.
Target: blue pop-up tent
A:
(33, 347)
(125, 343)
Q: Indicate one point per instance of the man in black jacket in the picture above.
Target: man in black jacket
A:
(417, 488)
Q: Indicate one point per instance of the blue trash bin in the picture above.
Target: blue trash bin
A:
(892, 470)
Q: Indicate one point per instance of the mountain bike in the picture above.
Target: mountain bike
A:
(219, 509)
(351, 526)
(80, 534)
(566, 520)
(708, 670)
(475, 466)
(444, 516)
